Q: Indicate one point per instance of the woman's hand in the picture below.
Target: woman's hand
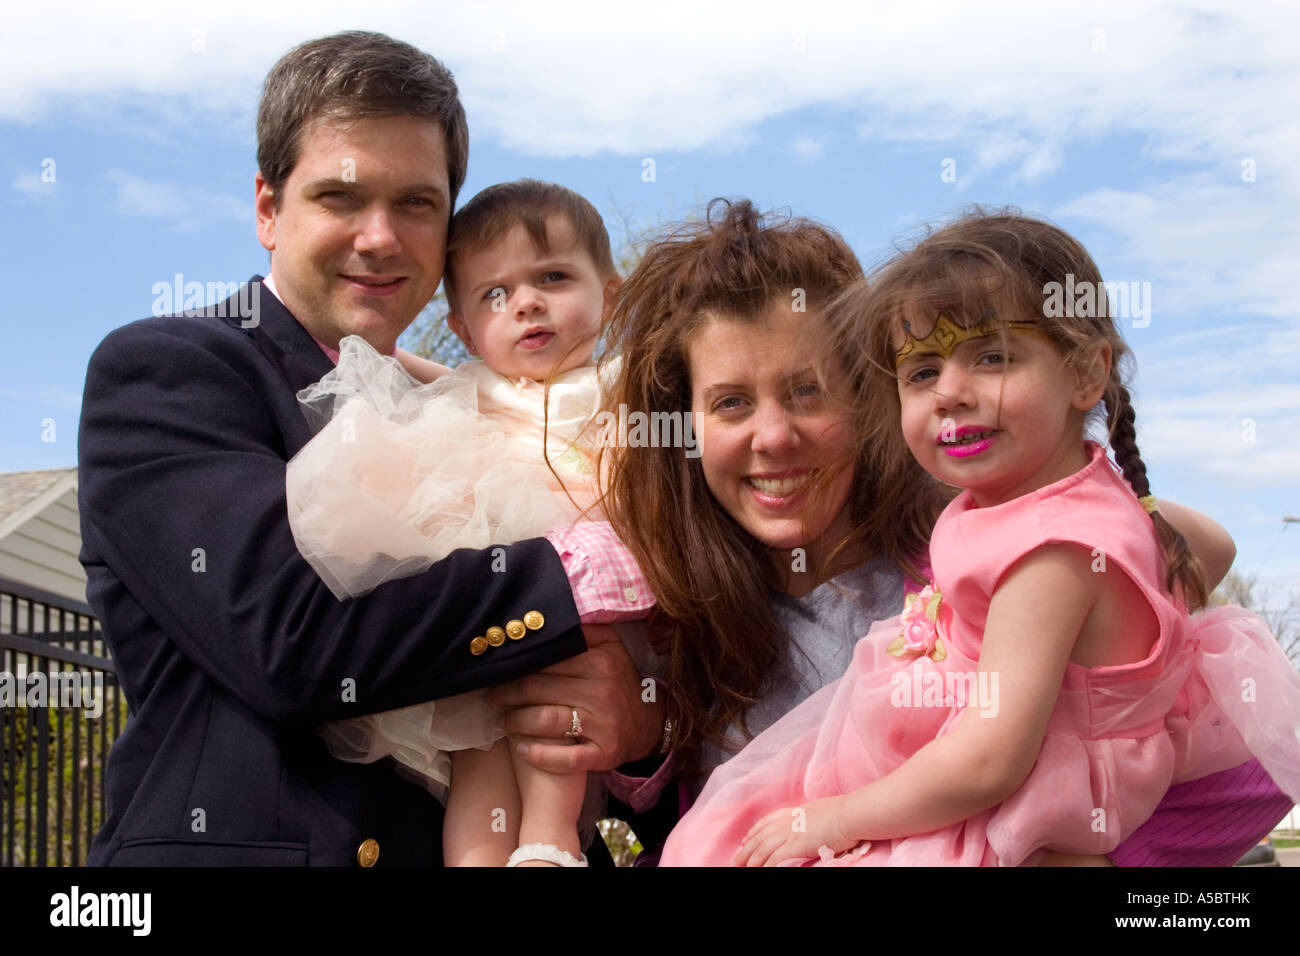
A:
(796, 833)
(603, 685)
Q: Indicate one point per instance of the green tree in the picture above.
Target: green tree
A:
(431, 337)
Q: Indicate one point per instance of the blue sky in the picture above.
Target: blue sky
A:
(1165, 138)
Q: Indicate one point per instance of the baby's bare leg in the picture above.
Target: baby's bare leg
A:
(551, 805)
(482, 823)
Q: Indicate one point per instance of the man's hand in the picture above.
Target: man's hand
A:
(604, 687)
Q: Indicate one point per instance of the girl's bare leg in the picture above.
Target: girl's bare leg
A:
(481, 827)
(551, 805)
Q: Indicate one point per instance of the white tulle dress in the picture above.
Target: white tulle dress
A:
(399, 475)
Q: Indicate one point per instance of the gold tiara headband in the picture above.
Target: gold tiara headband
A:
(947, 335)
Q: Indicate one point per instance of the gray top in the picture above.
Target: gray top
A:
(824, 627)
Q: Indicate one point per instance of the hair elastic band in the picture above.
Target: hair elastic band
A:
(1149, 502)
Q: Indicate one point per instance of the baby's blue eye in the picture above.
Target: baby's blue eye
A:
(555, 276)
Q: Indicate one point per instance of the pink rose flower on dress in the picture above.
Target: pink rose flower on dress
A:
(920, 633)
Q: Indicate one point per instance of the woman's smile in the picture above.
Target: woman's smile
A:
(780, 488)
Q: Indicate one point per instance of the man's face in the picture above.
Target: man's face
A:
(358, 240)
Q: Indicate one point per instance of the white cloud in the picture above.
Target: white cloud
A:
(808, 149)
(1208, 242)
(559, 79)
(186, 208)
(46, 396)
(31, 186)
(1007, 86)
(1222, 403)
(1020, 88)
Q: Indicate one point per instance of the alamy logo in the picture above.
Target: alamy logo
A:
(1088, 300)
(918, 687)
(68, 690)
(103, 909)
(230, 300)
(641, 429)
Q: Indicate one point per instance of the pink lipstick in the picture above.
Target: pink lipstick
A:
(968, 440)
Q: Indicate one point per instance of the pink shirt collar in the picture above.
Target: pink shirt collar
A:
(332, 354)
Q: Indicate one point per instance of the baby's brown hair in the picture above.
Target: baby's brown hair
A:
(492, 213)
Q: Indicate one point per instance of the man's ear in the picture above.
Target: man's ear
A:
(1093, 375)
(457, 325)
(264, 204)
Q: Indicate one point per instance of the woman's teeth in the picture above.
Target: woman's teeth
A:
(779, 487)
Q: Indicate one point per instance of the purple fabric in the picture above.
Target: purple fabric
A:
(1212, 821)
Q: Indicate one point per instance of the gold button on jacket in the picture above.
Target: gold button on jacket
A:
(496, 636)
(515, 630)
(368, 852)
(478, 645)
(534, 620)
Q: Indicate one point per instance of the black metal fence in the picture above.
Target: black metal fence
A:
(60, 710)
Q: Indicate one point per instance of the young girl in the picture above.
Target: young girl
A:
(1047, 688)
(400, 474)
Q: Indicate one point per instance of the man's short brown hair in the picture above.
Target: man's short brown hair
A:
(492, 213)
(350, 76)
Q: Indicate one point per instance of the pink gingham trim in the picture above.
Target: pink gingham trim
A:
(640, 793)
(607, 583)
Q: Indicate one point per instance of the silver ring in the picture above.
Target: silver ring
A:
(575, 726)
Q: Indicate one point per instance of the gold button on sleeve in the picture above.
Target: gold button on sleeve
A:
(368, 852)
(496, 636)
(478, 645)
(534, 620)
(515, 630)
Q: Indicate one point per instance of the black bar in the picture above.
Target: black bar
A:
(28, 755)
(8, 719)
(63, 655)
(58, 774)
(42, 790)
(41, 596)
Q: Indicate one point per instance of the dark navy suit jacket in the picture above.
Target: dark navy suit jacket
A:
(230, 649)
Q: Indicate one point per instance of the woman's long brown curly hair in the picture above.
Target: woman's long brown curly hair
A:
(710, 576)
(999, 265)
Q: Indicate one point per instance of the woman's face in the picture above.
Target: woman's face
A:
(768, 427)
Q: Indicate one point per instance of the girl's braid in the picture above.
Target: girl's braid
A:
(1183, 570)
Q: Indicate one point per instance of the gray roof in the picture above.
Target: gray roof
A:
(17, 488)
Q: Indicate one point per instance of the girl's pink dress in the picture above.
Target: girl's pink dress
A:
(1215, 689)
